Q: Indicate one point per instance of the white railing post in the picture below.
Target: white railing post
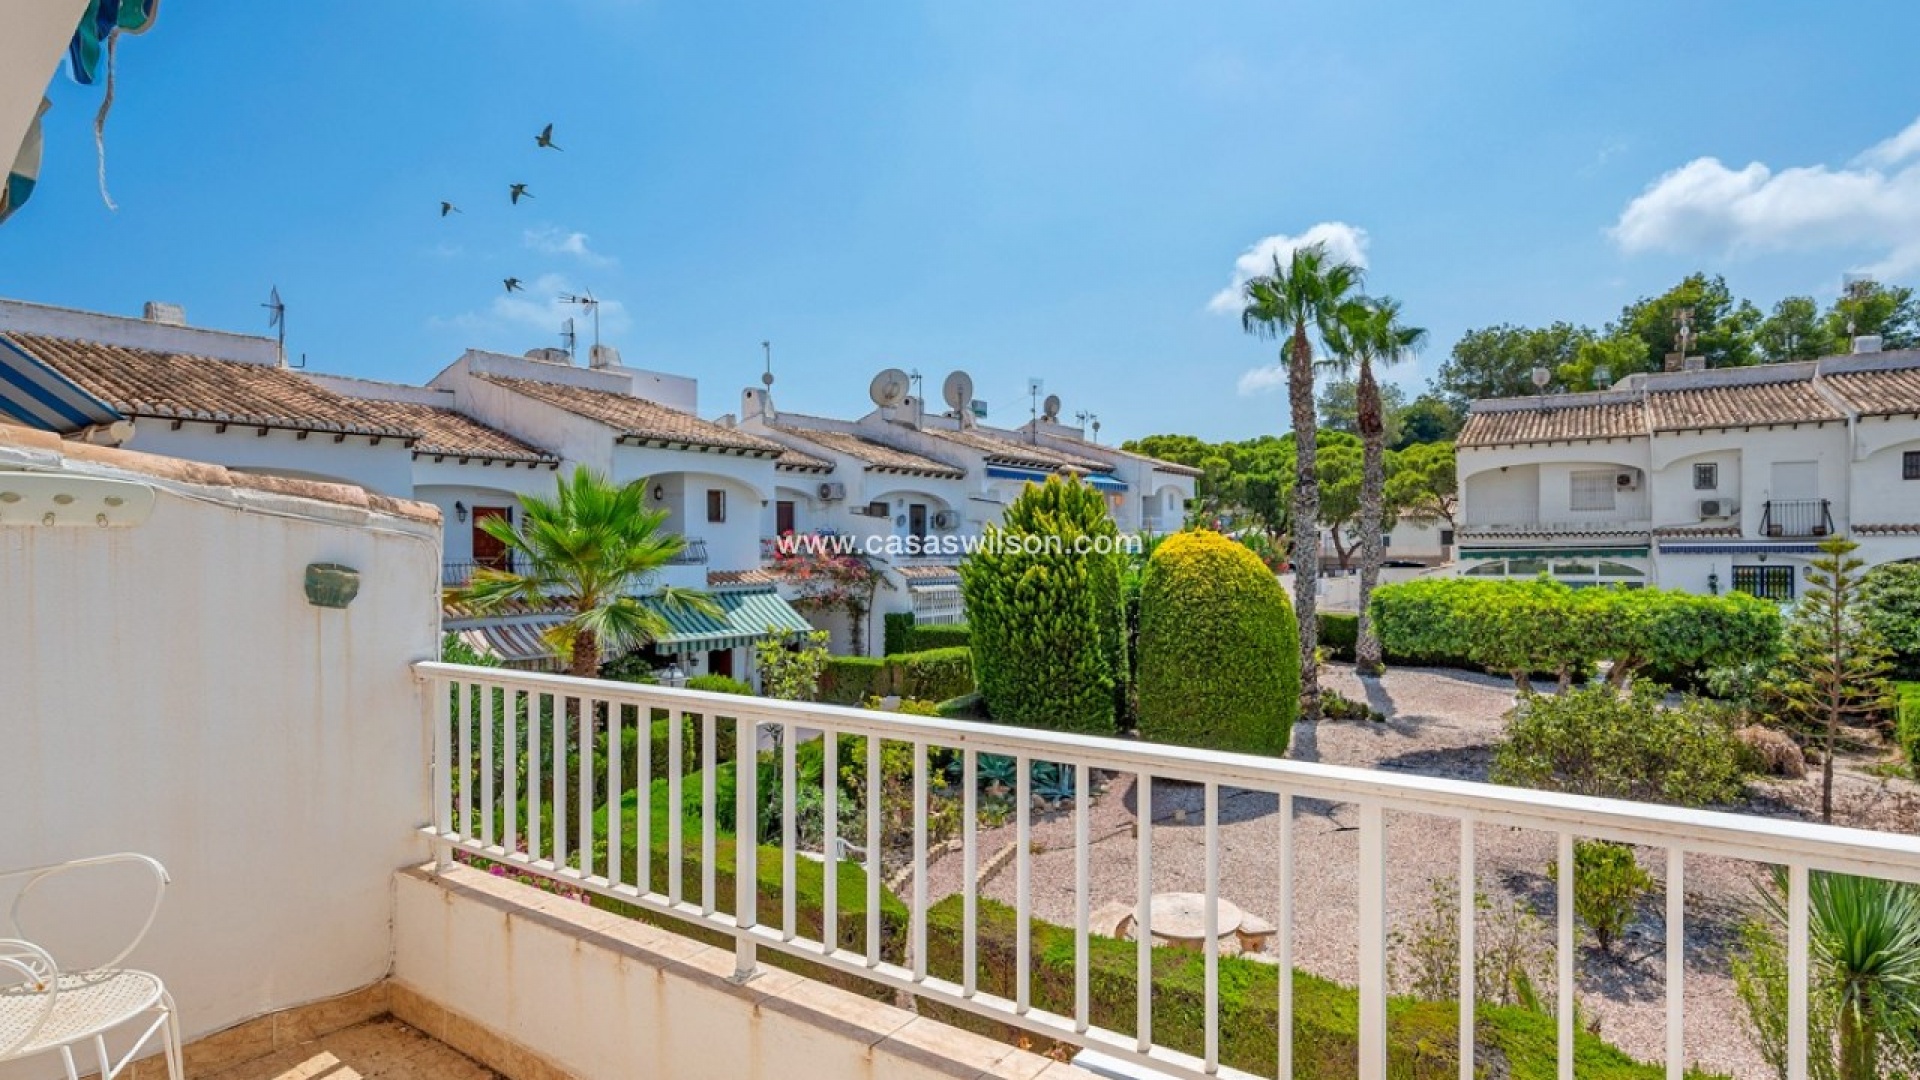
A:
(1566, 956)
(1469, 918)
(439, 717)
(1798, 960)
(1676, 963)
(1373, 942)
(746, 850)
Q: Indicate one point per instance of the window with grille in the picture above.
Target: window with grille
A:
(1766, 582)
(716, 505)
(1706, 477)
(1910, 465)
(1592, 490)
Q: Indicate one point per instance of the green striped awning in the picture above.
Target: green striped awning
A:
(1555, 553)
(746, 618)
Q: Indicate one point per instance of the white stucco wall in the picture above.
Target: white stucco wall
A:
(169, 690)
(386, 468)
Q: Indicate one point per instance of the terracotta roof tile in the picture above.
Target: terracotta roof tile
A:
(1553, 422)
(444, 432)
(800, 461)
(1879, 393)
(928, 573)
(1004, 450)
(637, 418)
(177, 386)
(1158, 464)
(1888, 529)
(1683, 532)
(1738, 406)
(877, 456)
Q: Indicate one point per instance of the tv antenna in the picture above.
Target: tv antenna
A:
(567, 337)
(1087, 418)
(914, 377)
(1034, 386)
(585, 299)
(766, 378)
(277, 320)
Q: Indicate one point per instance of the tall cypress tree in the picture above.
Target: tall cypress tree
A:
(1044, 614)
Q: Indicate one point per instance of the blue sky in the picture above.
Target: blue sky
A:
(1050, 188)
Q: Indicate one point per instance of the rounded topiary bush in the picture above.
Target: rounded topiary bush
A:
(1219, 651)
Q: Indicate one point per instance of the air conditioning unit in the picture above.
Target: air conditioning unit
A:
(946, 520)
(877, 509)
(1718, 508)
(832, 492)
(1627, 481)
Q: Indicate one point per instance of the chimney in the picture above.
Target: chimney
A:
(1867, 343)
(166, 314)
(558, 357)
(603, 356)
(1693, 363)
(756, 403)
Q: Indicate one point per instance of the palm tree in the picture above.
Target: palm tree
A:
(1372, 334)
(1864, 936)
(590, 549)
(1308, 292)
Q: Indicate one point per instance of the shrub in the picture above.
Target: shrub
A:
(719, 684)
(1045, 617)
(849, 680)
(935, 675)
(1338, 634)
(1772, 752)
(792, 670)
(1890, 606)
(1594, 741)
(964, 707)
(1520, 627)
(1607, 886)
(1907, 723)
(1219, 655)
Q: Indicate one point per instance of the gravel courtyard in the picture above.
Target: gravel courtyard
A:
(1439, 723)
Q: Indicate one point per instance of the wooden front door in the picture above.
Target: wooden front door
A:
(720, 662)
(488, 551)
(783, 517)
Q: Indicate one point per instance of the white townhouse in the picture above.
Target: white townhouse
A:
(1158, 492)
(1704, 480)
(490, 429)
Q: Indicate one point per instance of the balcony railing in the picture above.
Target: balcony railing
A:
(693, 552)
(498, 715)
(1797, 517)
(460, 573)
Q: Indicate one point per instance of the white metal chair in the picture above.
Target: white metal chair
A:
(44, 1009)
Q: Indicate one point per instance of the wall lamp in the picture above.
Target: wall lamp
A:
(460, 511)
(659, 492)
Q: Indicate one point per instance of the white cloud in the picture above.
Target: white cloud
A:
(1263, 380)
(1344, 243)
(538, 309)
(553, 240)
(1870, 205)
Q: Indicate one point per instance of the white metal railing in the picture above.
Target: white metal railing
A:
(498, 719)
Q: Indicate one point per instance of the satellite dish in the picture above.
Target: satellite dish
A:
(1050, 409)
(889, 388)
(957, 392)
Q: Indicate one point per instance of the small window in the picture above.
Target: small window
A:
(716, 505)
(1446, 537)
(1592, 490)
(1706, 478)
(1910, 465)
(1766, 582)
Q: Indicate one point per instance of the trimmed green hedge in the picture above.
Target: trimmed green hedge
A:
(850, 680)
(905, 635)
(1520, 627)
(1219, 652)
(929, 675)
(719, 684)
(1339, 634)
(932, 675)
(1422, 1035)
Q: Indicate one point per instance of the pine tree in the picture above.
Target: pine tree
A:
(1836, 665)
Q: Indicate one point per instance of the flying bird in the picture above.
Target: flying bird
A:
(544, 140)
(447, 208)
(513, 284)
(517, 192)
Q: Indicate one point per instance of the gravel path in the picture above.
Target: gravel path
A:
(1440, 723)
